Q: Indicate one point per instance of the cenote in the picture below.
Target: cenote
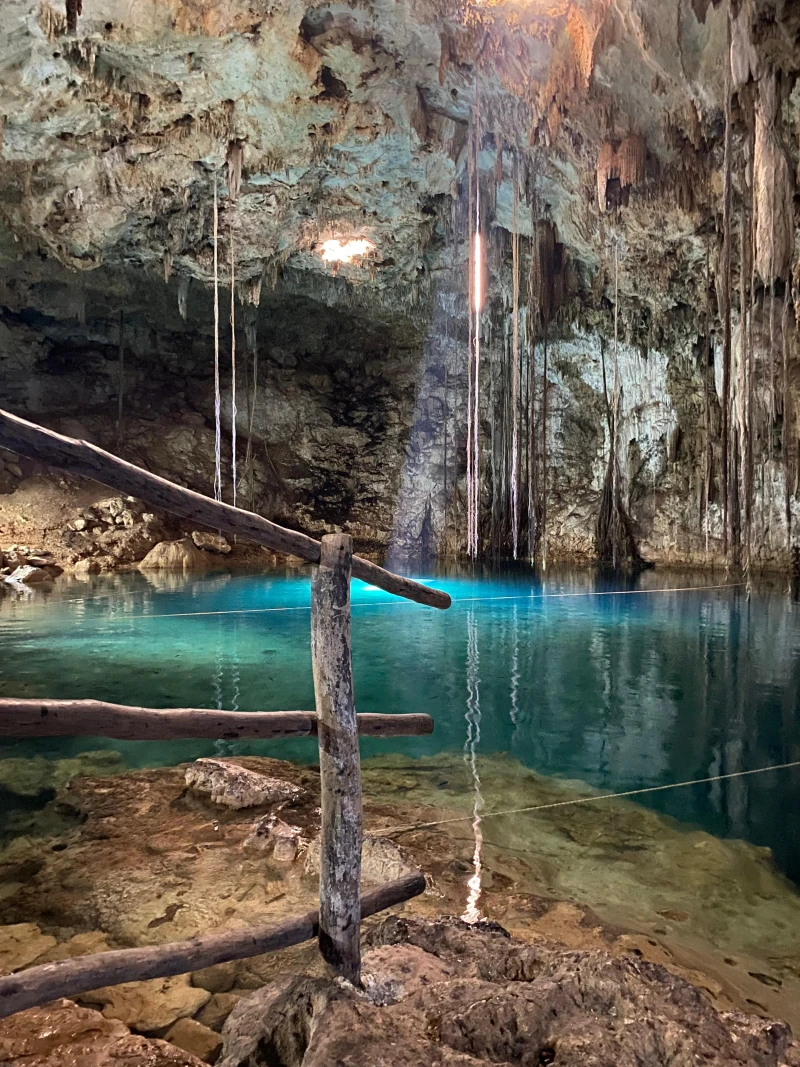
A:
(663, 679)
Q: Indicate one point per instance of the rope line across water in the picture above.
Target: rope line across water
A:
(584, 800)
(455, 600)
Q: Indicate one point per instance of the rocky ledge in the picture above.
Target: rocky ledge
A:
(682, 934)
(445, 993)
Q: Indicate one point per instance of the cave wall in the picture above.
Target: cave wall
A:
(314, 120)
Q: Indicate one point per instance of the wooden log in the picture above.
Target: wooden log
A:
(339, 764)
(80, 457)
(97, 718)
(67, 978)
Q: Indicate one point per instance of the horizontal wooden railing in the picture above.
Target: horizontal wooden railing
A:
(68, 978)
(80, 457)
(97, 718)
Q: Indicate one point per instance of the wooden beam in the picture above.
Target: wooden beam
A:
(97, 718)
(68, 978)
(339, 764)
(89, 461)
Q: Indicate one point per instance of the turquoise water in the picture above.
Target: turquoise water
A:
(620, 688)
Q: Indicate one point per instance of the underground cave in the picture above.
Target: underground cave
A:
(399, 533)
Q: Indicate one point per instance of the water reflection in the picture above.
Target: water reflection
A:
(622, 691)
(472, 912)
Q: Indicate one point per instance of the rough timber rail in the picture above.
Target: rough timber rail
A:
(80, 457)
(98, 718)
(337, 925)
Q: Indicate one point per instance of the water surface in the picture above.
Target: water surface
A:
(622, 688)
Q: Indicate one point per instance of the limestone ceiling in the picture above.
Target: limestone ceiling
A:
(351, 120)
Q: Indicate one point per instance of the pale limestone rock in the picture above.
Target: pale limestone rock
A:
(194, 1037)
(235, 786)
(151, 1005)
(175, 555)
(86, 566)
(218, 1009)
(272, 832)
(22, 944)
(211, 542)
(28, 575)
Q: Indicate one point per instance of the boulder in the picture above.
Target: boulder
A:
(235, 786)
(151, 1005)
(270, 832)
(174, 556)
(62, 1033)
(87, 566)
(22, 944)
(29, 575)
(452, 995)
(214, 1014)
(211, 542)
(193, 1037)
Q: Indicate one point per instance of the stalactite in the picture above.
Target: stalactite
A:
(251, 335)
(743, 395)
(543, 507)
(166, 262)
(234, 161)
(708, 450)
(615, 542)
(726, 292)
(786, 422)
(515, 366)
(121, 380)
(74, 9)
(234, 411)
(217, 404)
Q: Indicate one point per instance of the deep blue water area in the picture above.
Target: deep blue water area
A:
(659, 680)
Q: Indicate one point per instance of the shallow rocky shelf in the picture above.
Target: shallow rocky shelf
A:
(140, 857)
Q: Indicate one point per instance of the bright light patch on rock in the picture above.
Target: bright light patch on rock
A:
(338, 251)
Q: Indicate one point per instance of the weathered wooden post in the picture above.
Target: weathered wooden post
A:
(339, 762)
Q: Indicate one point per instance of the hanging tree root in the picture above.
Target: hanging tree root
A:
(614, 539)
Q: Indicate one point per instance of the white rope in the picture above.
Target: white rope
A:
(234, 411)
(456, 600)
(586, 800)
(217, 413)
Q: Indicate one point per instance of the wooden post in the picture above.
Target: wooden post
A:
(339, 763)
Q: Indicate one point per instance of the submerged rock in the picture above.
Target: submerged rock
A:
(62, 1033)
(381, 860)
(37, 776)
(469, 995)
(273, 833)
(235, 786)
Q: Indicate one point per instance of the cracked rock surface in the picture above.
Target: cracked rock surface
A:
(462, 995)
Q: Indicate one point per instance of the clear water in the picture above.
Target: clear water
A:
(638, 688)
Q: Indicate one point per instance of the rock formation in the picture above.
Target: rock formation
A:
(319, 123)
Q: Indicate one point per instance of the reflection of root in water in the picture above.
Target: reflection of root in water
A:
(472, 913)
(515, 669)
(220, 747)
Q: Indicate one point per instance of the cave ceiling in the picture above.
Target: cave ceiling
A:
(319, 121)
